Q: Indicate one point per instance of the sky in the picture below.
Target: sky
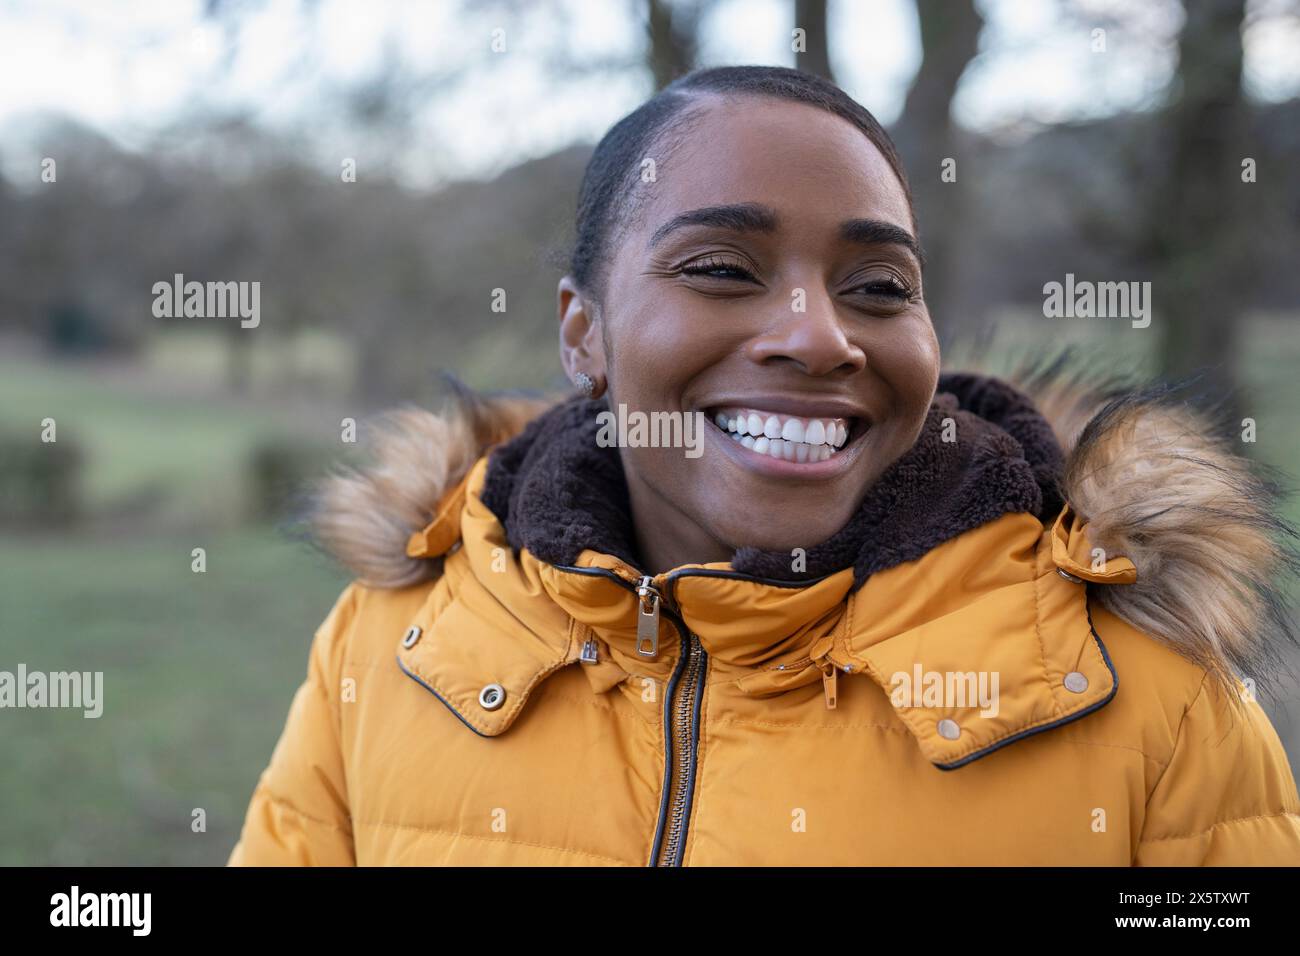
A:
(130, 68)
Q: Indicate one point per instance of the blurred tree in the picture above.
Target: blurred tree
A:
(926, 136)
(1197, 217)
(810, 16)
(673, 30)
(407, 276)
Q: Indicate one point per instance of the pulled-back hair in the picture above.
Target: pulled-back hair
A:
(609, 181)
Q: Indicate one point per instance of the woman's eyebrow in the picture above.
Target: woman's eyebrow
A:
(755, 217)
(739, 217)
(874, 231)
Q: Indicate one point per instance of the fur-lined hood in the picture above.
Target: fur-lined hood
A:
(1145, 474)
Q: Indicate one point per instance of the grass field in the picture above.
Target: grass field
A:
(199, 669)
(198, 673)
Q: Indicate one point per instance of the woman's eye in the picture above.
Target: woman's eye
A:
(886, 288)
(717, 269)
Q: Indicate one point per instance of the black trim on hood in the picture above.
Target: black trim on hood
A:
(1069, 718)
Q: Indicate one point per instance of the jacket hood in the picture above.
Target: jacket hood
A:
(558, 492)
(1174, 532)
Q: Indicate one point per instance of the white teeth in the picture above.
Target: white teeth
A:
(787, 438)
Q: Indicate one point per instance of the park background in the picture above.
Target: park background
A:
(1103, 138)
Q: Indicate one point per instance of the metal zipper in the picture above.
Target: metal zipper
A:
(682, 712)
(647, 618)
(682, 708)
(791, 666)
(829, 677)
(829, 674)
(681, 722)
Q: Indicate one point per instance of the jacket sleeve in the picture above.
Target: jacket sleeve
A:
(1227, 797)
(298, 814)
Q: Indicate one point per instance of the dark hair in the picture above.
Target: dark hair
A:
(611, 173)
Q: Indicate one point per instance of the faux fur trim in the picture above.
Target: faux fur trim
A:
(1159, 483)
(1198, 520)
(364, 516)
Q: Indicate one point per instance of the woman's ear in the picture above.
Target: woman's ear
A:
(581, 346)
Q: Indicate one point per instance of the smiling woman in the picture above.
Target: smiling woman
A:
(562, 649)
(773, 252)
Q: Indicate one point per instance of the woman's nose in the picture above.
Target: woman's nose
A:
(811, 333)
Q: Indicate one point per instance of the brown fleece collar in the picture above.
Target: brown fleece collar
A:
(557, 492)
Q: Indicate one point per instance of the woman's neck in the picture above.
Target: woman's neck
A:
(665, 537)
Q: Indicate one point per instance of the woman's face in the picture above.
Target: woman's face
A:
(770, 280)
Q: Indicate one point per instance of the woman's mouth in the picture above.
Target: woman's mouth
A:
(792, 438)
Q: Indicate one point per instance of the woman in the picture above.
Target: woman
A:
(875, 616)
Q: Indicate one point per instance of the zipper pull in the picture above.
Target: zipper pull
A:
(647, 619)
(829, 677)
(590, 654)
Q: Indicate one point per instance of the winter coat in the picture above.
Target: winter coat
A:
(1026, 647)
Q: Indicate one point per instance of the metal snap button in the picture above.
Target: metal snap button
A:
(412, 635)
(948, 729)
(492, 696)
(1076, 682)
(1068, 576)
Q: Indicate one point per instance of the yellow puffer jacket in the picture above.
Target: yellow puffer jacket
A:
(1068, 687)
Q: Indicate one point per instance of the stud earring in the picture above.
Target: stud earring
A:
(586, 384)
